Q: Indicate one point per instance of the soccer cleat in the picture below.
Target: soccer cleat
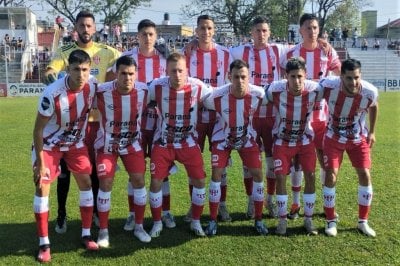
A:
(103, 239)
(272, 213)
(156, 230)
(130, 223)
(366, 229)
(223, 213)
(195, 226)
(141, 234)
(211, 228)
(61, 224)
(188, 216)
(281, 228)
(89, 244)
(44, 254)
(250, 208)
(310, 228)
(96, 220)
(330, 229)
(294, 212)
(261, 228)
(169, 220)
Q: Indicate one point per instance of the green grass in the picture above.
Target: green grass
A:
(236, 242)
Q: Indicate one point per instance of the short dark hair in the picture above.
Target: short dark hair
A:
(350, 64)
(145, 23)
(295, 63)
(84, 14)
(307, 16)
(79, 56)
(238, 64)
(204, 17)
(126, 61)
(258, 20)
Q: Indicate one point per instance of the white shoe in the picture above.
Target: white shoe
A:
(188, 216)
(141, 234)
(330, 229)
(309, 226)
(223, 213)
(250, 208)
(156, 230)
(195, 226)
(281, 228)
(366, 229)
(130, 223)
(103, 239)
(168, 220)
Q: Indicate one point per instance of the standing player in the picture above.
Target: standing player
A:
(263, 59)
(350, 100)
(177, 98)
(235, 105)
(208, 62)
(103, 57)
(151, 65)
(59, 132)
(121, 103)
(320, 60)
(293, 100)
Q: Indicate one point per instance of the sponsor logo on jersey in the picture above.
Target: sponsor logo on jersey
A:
(45, 103)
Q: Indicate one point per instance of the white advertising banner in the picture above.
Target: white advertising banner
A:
(25, 89)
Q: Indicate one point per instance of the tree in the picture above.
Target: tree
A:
(9, 3)
(110, 10)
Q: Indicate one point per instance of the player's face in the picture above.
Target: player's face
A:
(351, 81)
(260, 34)
(240, 80)
(147, 37)
(78, 75)
(205, 30)
(296, 80)
(126, 76)
(309, 31)
(177, 73)
(85, 28)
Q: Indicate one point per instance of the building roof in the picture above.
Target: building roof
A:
(392, 24)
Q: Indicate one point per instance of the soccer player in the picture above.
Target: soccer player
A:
(58, 133)
(320, 61)
(235, 104)
(209, 62)
(103, 57)
(119, 136)
(151, 64)
(350, 99)
(294, 99)
(177, 97)
(263, 59)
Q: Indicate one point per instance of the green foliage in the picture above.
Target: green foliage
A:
(236, 242)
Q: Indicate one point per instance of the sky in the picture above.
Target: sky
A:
(387, 9)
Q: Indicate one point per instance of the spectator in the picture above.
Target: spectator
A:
(59, 21)
(364, 44)
(117, 32)
(20, 43)
(345, 35)
(355, 37)
(7, 40)
(105, 30)
(377, 44)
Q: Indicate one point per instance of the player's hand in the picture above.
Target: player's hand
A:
(192, 45)
(325, 46)
(38, 174)
(49, 78)
(371, 139)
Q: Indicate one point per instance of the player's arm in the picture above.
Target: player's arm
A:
(373, 116)
(50, 76)
(39, 169)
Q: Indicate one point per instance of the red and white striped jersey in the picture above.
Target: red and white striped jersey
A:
(212, 68)
(263, 66)
(120, 117)
(68, 112)
(320, 112)
(318, 65)
(235, 115)
(292, 121)
(149, 68)
(347, 115)
(178, 111)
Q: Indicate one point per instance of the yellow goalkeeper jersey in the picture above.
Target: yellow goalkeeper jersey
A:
(103, 57)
